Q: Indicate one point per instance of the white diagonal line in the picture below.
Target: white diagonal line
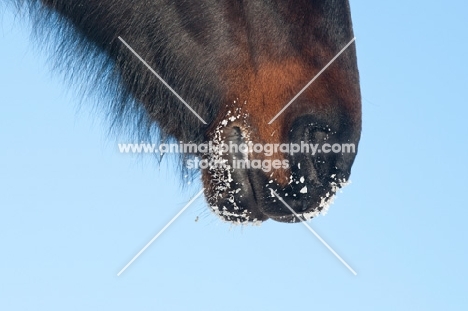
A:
(312, 81)
(314, 233)
(161, 79)
(160, 232)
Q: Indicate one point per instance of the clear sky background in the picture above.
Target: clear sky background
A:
(73, 211)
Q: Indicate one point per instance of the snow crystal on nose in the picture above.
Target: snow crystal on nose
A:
(221, 176)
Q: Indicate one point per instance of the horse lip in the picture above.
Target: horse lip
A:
(286, 219)
(252, 202)
(291, 217)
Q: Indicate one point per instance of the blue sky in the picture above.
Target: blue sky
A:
(73, 211)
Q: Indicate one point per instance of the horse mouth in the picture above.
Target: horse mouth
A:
(248, 200)
(250, 194)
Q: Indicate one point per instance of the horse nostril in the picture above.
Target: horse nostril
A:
(315, 133)
(314, 162)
